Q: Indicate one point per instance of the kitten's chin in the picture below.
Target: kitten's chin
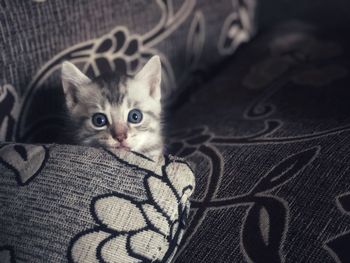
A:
(120, 147)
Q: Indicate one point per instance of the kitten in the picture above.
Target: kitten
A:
(118, 112)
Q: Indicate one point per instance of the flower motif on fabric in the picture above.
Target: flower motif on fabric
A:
(133, 230)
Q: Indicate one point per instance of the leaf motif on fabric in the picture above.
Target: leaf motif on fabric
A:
(164, 197)
(115, 251)
(157, 219)
(237, 29)
(176, 172)
(26, 161)
(115, 213)
(264, 229)
(286, 170)
(195, 39)
(84, 249)
(149, 244)
(9, 108)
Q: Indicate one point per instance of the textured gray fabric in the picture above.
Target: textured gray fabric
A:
(332, 14)
(102, 36)
(99, 36)
(269, 140)
(268, 136)
(77, 204)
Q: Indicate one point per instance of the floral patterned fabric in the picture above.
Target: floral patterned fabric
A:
(63, 203)
(269, 140)
(100, 37)
(267, 134)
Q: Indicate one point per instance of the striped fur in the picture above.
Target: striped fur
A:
(115, 96)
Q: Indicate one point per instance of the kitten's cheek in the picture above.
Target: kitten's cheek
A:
(130, 144)
(110, 142)
(136, 144)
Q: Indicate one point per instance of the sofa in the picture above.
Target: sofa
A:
(258, 117)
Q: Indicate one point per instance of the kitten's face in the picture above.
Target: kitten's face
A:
(120, 113)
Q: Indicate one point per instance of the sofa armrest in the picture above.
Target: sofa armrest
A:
(79, 204)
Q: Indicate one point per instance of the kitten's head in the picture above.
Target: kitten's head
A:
(119, 111)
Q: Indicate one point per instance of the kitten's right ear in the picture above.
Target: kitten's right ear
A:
(151, 74)
(72, 80)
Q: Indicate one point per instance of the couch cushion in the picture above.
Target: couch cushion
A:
(100, 37)
(269, 140)
(77, 204)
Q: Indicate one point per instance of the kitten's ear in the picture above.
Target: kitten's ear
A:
(72, 80)
(151, 74)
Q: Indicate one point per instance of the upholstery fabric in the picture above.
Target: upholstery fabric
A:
(101, 36)
(267, 134)
(76, 204)
(333, 14)
(50, 209)
(269, 138)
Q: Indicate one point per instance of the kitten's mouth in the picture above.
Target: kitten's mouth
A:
(121, 147)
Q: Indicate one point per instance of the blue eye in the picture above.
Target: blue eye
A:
(135, 116)
(99, 120)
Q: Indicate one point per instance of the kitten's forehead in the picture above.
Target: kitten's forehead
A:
(112, 89)
(138, 90)
(120, 93)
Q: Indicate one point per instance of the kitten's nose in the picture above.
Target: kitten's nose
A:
(119, 132)
(121, 137)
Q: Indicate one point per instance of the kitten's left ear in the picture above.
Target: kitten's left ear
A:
(73, 81)
(151, 74)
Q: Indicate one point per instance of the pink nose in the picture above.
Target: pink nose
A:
(120, 137)
(119, 132)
